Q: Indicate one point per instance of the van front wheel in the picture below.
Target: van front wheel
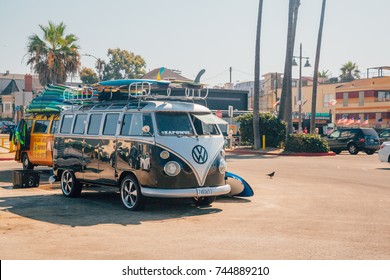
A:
(27, 165)
(70, 186)
(131, 195)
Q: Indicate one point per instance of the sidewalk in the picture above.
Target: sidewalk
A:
(6, 155)
(274, 152)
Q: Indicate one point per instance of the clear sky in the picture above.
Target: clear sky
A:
(210, 34)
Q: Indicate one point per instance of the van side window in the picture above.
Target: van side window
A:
(132, 124)
(125, 129)
(54, 127)
(41, 126)
(94, 124)
(66, 123)
(79, 125)
(110, 124)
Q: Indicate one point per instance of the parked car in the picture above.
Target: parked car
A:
(6, 126)
(384, 135)
(384, 152)
(354, 140)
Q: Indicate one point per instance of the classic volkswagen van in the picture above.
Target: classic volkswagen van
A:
(34, 137)
(146, 148)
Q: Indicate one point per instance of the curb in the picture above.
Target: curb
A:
(5, 159)
(252, 152)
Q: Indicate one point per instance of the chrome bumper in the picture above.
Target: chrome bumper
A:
(193, 192)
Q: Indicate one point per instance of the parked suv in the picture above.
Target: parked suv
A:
(6, 126)
(354, 140)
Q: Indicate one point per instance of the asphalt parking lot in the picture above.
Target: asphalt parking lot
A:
(314, 208)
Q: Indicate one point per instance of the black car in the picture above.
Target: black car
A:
(384, 135)
(354, 140)
(6, 126)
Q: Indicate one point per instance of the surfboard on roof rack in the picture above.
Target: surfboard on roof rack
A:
(56, 98)
(144, 88)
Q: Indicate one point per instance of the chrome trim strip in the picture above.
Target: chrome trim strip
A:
(180, 193)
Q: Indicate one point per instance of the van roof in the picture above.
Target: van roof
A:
(150, 106)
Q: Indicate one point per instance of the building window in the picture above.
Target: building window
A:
(7, 107)
(345, 99)
(327, 98)
(383, 95)
(361, 98)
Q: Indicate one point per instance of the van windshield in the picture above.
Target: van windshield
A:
(174, 124)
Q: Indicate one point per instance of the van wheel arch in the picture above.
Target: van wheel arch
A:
(123, 175)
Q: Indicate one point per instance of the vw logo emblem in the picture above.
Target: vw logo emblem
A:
(199, 154)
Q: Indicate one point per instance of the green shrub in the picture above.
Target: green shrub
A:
(308, 143)
(270, 126)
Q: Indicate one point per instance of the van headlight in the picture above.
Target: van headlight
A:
(172, 168)
(222, 166)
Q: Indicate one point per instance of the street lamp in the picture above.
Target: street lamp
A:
(307, 64)
(99, 65)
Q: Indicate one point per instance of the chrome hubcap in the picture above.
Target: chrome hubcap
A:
(67, 182)
(129, 193)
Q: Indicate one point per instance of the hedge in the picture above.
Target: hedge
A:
(309, 143)
(270, 126)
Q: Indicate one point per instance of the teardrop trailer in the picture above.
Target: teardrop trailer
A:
(145, 146)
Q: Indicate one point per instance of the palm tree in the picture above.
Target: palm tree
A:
(316, 65)
(55, 56)
(256, 95)
(349, 72)
(285, 109)
(323, 74)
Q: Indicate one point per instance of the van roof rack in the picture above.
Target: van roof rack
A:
(144, 90)
(77, 94)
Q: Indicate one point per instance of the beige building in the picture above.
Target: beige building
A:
(362, 99)
(16, 90)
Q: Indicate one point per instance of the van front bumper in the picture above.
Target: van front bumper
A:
(192, 192)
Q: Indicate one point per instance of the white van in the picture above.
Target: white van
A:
(146, 148)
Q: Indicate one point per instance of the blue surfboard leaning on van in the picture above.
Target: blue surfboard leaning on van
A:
(147, 148)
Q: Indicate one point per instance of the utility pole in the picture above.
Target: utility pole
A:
(230, 70)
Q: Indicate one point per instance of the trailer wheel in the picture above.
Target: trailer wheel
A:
(27, 165)
(203, 200)
(131, 195)
(70, 186)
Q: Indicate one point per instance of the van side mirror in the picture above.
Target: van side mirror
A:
(146, 129)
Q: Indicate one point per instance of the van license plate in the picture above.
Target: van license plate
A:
(206, 191)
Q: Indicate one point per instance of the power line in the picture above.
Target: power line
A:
(243, 72)
(217, 75)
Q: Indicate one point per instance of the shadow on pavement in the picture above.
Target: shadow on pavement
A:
(383, 168)
(93, 208)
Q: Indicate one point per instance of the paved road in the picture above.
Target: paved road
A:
(314, 208)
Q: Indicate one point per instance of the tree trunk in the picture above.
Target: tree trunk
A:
(315, 76)
(256, 94)
(285, 109)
